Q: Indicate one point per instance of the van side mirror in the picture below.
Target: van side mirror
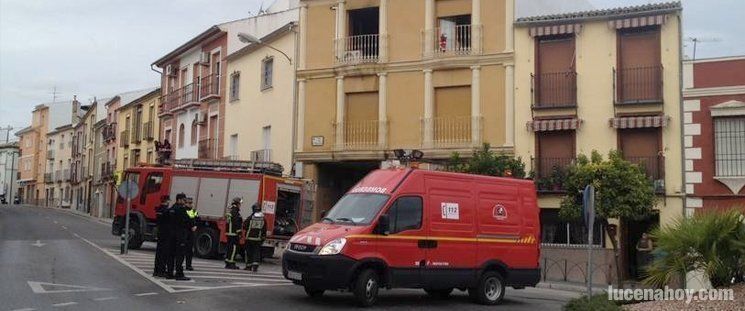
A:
(384, 225)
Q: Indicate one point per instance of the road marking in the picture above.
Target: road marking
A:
(146, 294)
(128, 265)
(38, 244)
(64, 304)
(39, 288)
(64, 228)
(25, 309)
(105, 298)
(55, 222)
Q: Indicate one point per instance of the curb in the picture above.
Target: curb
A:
(570, 287)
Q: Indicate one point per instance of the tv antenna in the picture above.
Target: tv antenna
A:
(697, 40)
(54, 94)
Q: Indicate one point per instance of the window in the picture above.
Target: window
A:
(555, 152)
(152, 185)
(455, 33)
(266, 137)
(194, 132)
(181, 136)
(729, 144)
(406, 214)
(555, 230)
(234, 147)
(357, 208)
(267, 69)
(235, 79)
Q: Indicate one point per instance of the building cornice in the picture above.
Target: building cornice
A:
(714, 91)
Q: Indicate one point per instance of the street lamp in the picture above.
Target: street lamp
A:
(250, 39)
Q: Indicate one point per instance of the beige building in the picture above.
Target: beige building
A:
(599, 80)
(138, 127)
(32, 165)
(58, 164)
(259, 114)
(378, 75)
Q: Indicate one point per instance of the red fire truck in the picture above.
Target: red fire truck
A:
(213, 184)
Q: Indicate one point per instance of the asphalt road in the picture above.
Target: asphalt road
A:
(55, 260)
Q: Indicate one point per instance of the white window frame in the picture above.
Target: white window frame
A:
(266, 85)
(235, 86)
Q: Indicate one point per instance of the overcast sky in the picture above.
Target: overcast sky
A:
(99, 48)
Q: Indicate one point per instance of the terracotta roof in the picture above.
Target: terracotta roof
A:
(602, 14)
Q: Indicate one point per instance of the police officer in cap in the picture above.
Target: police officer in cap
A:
(161, 249)
(255, 235)
(233, 222)
(179, 226)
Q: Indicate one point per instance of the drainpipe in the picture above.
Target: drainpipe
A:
(682, 126)
(295, 31)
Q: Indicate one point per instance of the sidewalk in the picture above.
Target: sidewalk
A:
(571, 287)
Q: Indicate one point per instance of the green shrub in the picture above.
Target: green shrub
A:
(487, 162)
(596, 302)
(713, 242)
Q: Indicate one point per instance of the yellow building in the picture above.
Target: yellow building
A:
(32, 162)
(261, 95)
(378, 75)
(58, 164)
(599, 80)
(138, 127)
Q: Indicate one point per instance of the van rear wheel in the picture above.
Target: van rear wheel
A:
(366, 288)
(439, 293)
(490, 289)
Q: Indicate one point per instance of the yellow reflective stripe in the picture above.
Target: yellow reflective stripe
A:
(453, 239)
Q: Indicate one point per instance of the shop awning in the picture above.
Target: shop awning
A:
(552, 30)
(639, 122)
(553, 125)
(641, 21)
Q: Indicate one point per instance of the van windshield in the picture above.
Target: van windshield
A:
(357, 208)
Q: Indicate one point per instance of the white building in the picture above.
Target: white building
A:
(8, 171)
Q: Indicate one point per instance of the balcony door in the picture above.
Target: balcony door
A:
(361, 119)
(555, 73)
(555, 151)
(642, 146)
(640, 71)
(452, 122)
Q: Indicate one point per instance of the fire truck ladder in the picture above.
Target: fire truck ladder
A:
(268, 168)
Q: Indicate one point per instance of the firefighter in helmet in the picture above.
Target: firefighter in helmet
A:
(233, 222)
(255, 228)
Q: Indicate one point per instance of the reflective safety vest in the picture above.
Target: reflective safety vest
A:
(255, 228)
(192, 213)
(233, 225)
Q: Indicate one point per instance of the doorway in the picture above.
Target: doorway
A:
(632, 234)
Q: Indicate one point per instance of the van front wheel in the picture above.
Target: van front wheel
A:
(490, 289)
(366, 288)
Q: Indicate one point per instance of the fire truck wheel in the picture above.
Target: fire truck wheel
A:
(206, 243)
(366, 288)
(439, 293)
(313, 293)
(136, 239)
(490, 289)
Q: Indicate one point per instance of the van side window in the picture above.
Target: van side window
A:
(406, 214)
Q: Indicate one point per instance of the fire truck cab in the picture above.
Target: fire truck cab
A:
(212, 184)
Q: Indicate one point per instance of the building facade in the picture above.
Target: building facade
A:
(379, 75)
(260, 110)
(714, 133)
(106, 189)
(9, 156)
(599, 81)
(33, 149)
(58, 163)
(139, 128)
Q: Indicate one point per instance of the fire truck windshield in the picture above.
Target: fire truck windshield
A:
(357, 208)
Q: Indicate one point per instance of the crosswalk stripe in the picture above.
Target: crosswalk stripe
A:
(200, 273)
(219, 271)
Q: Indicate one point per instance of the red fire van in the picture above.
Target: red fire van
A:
(411, 228)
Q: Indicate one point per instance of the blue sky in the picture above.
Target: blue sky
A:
(98, 48)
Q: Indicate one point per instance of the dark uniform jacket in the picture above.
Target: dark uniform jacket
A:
(179, 222)
(161, 220)
(233, 224)
(256, 227)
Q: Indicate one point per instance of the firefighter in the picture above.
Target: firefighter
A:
(190, 237)
(255, 235)
(179, 226)
(161, 249)
(233, 223)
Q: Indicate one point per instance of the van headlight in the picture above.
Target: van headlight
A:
(334, 247)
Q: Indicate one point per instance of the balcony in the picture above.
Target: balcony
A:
(261, 155)
(137, 133)
(58, 176)
(654, 168)
(147, 128)
(358, 135)
(50, 154)
(551, 173)
(189, 95)
(357, 49)
(451, 131)
(124, 139)
(107, 171)
(109, 132)
(48, 177)
(207, 149)
(554, 90)
(168, 103)
(210, 87)
(66, 175)
(452, 41)
(638, 85)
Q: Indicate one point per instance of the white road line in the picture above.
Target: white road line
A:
(64, 304)
(135, 269)
(197, 272)
(55, 222)
(63, 227)
(234, 278)
(25, 309)
(105, 298)
(146, 294)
